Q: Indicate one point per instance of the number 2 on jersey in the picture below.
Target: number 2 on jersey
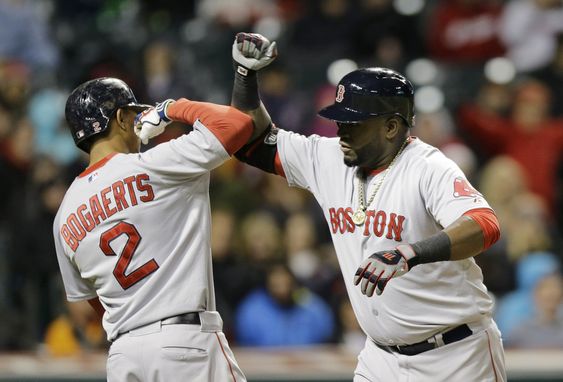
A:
(133, 240)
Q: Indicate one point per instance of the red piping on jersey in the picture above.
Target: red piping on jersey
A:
(230, 126)
(489, 224)
(491, 355)
(278, 168)
(227, 358)
(97, 165)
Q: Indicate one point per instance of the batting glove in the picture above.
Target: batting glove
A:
(379, 268)
(152, 121)
(252, 51)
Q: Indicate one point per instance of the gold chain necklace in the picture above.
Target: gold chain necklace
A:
(359, 216)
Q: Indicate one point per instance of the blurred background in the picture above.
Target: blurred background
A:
(489, 93)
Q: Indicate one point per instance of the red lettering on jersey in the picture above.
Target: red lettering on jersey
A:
(85, 218)
(145, 188)
(341, 220)
(379, 223)
(119, 195)
(96, 208)
(395, 227)
(350, 226)
(376, 223)
(69, 238)
(463, 188)
(129, 182)
(76, 228)
(333, 219)
(369, 215)
(106, 202)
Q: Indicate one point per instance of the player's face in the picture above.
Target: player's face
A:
(362, 143)
(132, 140)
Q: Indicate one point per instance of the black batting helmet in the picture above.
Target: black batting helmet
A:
(90, 107)
(370, 92)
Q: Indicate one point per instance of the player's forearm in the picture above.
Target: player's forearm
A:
(246, 98)
(466, 237)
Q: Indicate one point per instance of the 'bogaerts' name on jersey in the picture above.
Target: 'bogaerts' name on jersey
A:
(378, 223)
(121, 195)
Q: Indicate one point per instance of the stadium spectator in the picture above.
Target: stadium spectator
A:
(516, 307)
(283, 314)
(529, 135)
(528, 29)
(545, 329)
(464, 31)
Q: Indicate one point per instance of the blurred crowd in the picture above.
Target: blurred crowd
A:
(489, 81)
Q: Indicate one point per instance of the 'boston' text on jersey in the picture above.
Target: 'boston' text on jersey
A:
(377, 222)
(120, 195)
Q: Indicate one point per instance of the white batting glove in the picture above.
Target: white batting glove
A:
(152, 121)
(252, 51)
(379, 268)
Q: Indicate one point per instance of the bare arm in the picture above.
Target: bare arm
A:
(466, 238)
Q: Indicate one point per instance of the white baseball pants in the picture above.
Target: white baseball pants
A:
(164, 353)
(477, 358)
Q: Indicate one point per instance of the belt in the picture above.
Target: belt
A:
(191, 318)
(456, 334)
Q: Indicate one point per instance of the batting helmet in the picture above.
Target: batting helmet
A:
(90, 107)
(370, 92)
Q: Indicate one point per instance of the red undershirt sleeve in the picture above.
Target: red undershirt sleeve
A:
(489, 224)
(278, 166)
(230, 126)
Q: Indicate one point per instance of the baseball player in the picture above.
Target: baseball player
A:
(132, 233)
(404, 220)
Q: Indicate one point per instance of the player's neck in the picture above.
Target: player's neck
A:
(387, 158)
(106, 146)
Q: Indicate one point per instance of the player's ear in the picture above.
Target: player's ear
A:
(392, 127)
(122, 118)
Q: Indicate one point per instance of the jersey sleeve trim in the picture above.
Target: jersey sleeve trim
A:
(489, 224)
(97, 165)
(230, 126)
(81, 297)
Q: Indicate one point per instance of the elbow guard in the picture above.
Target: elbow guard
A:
(261, 152)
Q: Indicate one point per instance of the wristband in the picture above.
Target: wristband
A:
(245, 89)
(437, 247)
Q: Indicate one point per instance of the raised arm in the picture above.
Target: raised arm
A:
(251, 52)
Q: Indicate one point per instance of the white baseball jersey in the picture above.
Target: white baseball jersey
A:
(423, 192)
(134, 230)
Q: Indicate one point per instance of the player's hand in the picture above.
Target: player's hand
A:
(375, 272)
(253, 51)
(152, 121)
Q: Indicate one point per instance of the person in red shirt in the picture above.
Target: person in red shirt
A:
(464, 31)
(529, 135)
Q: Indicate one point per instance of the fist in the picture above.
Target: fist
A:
(253, 51)
(375, 272)
(152, 121)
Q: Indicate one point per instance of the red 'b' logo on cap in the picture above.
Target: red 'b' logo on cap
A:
(340, 93)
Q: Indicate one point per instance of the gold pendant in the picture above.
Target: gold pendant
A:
(359, 217)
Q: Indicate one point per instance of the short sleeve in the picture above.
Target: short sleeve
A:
(447, 192)
(76, 288)
(301, 158)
